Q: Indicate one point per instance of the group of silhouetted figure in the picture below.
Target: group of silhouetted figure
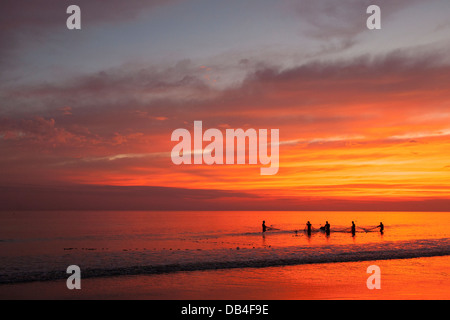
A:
(327, 228)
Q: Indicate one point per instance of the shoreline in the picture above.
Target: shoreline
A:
(415, 278)
(239, 258)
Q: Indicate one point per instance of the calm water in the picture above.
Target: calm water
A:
(40, 245)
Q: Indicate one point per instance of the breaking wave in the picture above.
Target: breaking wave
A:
(150, 263)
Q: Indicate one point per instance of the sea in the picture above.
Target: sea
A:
(39, 246)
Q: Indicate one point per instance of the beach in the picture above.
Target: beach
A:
(417, 279)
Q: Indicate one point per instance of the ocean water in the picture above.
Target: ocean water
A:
(39, 246)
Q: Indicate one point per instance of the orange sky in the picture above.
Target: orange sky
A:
(373, 142)
(355, 125)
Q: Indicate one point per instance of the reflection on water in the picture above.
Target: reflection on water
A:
(35, 245)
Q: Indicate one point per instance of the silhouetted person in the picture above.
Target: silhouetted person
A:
(381, 226)
(327, 228)
(264, 228)
(308, 228)
(353, 228)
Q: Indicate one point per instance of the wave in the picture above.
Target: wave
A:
(247, 258)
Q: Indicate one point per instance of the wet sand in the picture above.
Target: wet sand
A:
(418, 278)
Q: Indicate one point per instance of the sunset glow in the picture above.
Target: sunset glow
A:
(364, 123)
(187, 150)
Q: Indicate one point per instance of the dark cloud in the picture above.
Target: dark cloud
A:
(89, 197)
(39, 132)
(154, 100)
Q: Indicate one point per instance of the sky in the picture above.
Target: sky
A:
(86, 116)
